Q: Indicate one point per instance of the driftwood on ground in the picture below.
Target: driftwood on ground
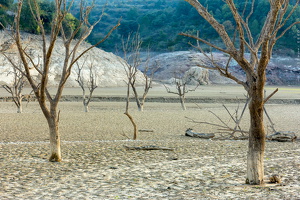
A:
(283, 136)
(275, 178)
(189, 132)
(146, 130)
(150, 147)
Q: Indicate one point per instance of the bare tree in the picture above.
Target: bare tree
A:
(181, 89)
(135, 129)
(131, 50)
(148, 81)
(131, 77)
(16, 88)
(255, 67)
(48, 102)
(90, 83)
(131, 71)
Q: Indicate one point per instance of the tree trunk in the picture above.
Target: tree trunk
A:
(142, 105)
(138, 104)
(255, 157)
(20, 109)
(86, 108)
(136, 96)
(86, 105)
(55, 149)
(182, 102)
(135, 130)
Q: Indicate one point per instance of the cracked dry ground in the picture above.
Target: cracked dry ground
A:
(97, 166)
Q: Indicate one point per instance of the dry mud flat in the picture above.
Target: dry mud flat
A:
(97, 166)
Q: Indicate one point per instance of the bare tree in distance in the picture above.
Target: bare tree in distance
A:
(70, 51)
(16, 88)
(182, 88)
(90, 83)
(131, 49)
(148, 78)
(135, 129)
(260, 51)
(131, 71)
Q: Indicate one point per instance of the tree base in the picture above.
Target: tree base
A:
(254, 183)
(55, 158)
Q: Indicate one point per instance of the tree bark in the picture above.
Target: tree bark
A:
(256, 148)
(182, 102)
(85, 104)
(135, 130)
(137, 100)
(55, 149)
(142, 106)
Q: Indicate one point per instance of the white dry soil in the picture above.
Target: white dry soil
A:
(97, 166)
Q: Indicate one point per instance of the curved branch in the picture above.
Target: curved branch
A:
(288, 28)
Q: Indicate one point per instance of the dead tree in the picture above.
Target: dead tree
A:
(70, 51)
(90, 83)
(255, 67)
(131, 50)
(135, 129)
(16, 88)
(237, 133)
(131, 72)
(148, 75)
(181, 90)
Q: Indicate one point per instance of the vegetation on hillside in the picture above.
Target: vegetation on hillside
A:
(27, 21)
(158, 21)
(6, 17)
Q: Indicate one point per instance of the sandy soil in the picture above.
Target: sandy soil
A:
(97, 166)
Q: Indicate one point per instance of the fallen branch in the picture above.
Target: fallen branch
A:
(146, 130)
(283, 137)
(224, 128)
(189, 132)
(150, 147)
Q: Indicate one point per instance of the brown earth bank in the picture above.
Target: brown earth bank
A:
(96, 165)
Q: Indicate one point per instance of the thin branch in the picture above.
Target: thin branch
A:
(219, 119)
(281, 24)
(270, 96)
(288, 28)
(97, 44)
